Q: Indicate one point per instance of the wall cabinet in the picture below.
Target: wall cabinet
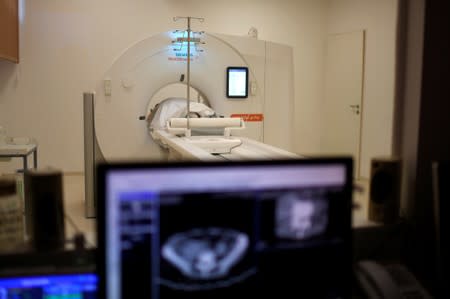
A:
(9, 30)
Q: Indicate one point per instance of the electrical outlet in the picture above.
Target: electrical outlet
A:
(107, 87)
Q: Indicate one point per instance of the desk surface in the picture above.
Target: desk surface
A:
(16, 149)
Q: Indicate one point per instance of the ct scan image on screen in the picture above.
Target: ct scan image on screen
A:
(204, 252)
(299, 216)
(237, 82)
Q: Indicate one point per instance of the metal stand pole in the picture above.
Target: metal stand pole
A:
(188, 91)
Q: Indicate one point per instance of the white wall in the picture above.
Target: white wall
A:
(379, 20)
(65, 46)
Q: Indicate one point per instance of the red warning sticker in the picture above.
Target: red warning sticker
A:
(249, 117)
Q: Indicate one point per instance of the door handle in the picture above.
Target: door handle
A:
(355, 108)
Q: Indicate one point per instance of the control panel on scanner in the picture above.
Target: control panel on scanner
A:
(225, 230)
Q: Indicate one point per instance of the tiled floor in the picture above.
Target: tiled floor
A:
(74, 207)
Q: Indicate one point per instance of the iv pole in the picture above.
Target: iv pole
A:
(188, 77)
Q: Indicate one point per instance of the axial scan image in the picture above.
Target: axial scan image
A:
(205, 253)
(299, 218)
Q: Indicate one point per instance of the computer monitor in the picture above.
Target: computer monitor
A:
(34, 275)
(218, 230)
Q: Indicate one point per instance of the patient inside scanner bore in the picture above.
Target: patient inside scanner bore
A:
(177, 108)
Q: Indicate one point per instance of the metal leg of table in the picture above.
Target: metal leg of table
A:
(25, 162)
(35, 158)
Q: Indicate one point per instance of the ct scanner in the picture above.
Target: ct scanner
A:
(130, 114)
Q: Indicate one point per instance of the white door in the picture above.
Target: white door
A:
(343, 96)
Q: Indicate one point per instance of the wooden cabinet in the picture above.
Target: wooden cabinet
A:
(9, 30)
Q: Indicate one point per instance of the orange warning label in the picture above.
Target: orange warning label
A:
(249, 117)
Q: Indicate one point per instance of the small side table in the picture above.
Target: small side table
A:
(20, 151)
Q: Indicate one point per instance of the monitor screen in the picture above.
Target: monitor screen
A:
(80, 286)
(237, 82)
(217, 230)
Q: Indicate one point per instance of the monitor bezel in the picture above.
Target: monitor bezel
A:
(104, 168)
(33, 263)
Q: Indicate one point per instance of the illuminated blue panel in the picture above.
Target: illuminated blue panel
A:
(180, 45)
(50, 286)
